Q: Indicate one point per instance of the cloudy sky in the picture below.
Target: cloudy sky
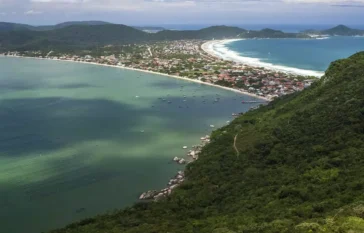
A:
(153, 12)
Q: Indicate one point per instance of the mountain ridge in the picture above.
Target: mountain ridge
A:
(84, 34)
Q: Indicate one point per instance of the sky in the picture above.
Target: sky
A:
(164, 12)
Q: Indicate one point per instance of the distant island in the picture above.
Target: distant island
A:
(340, 30)
(86, 34)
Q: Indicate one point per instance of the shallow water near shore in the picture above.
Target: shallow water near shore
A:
(78, 140)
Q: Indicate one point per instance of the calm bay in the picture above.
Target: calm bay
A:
(78, 140)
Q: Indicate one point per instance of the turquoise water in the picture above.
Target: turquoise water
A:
(303, 54)
(71, 144)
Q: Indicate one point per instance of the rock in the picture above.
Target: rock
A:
(182, 161)
(158, 197)
(176, 159)
(148, 195)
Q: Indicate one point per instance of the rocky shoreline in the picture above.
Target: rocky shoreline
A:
(179, 177)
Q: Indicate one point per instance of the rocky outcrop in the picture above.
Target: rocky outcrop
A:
(179, 160)
(158, 195)
(180, 177)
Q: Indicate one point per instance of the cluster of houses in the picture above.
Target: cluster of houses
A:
(187, 59)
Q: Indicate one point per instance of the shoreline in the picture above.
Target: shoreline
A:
(208, 47)
(153, 72)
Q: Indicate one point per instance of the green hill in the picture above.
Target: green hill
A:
(81, 36)
(6, 27)
(299, 170)
(85, 34)
(214, 32)
(71, 37)
(342, 30)
(270, 33)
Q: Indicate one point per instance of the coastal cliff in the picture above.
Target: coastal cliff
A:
(299, 169)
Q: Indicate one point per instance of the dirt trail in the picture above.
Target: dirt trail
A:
(236, 149)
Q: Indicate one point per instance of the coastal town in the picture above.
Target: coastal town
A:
(186, 59)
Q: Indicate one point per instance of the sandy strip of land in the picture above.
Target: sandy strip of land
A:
(208, 46)
(228, 55)
(157, 73)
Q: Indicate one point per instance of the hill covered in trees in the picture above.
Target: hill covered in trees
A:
(340, 30)
(6, 26)
(299, 169)
(91, 34)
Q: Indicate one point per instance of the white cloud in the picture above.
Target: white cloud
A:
(33, 12)
(2, 14)
(329, 2)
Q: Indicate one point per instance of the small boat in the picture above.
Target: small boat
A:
(212, 126)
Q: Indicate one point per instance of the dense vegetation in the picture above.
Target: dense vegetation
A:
(340, 30)
(72, 36)
(299, 169)
(270, 33)
(5, 26)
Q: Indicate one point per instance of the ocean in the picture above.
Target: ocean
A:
(78, 140)
(303, 56)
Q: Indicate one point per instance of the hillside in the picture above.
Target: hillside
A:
(6, 27)
(342, 30)
(81, 36)
(270, 33)
(71, 37)
(299, 169)
(86, 34)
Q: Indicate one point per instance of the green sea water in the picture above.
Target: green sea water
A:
(76, 141)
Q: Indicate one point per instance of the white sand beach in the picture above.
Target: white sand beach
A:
(218, 49)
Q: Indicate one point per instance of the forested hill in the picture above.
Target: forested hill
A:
(299, 170)
(84, 36)
(90, 34)
(6, 26)
(340, 30)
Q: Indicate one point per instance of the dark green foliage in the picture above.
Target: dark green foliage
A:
(270, 33)
(300, 169)
(6, 27)
(71, 36)
(342, 30)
